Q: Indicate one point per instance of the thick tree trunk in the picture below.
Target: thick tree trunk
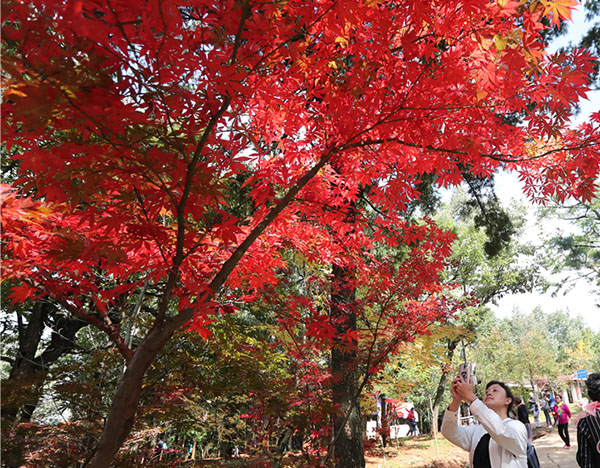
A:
(441, 388)
(121, 415)
(22, 390)
(347, 424)
(62, 341)
(14, 391)
(17, 390)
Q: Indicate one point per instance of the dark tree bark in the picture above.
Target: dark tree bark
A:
(23, 366)
(22, 390)
(123, 409)
(347, 423)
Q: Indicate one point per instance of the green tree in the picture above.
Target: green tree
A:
(575, 253)
(486, 267)
(530, 346)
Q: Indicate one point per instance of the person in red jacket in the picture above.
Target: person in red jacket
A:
(562, 414)
(412, 423)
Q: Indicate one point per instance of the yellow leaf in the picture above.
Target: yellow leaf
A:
(68, 92)
(14, 90)
(341, 40)
(558, 9)
(499, 42)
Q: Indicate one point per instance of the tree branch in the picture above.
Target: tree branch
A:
(495, 156)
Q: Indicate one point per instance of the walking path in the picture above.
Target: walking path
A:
(551, 451)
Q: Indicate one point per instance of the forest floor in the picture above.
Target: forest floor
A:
(418, 452)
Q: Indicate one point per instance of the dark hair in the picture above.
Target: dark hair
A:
(509, 394)
(518, 401)
(593, 386)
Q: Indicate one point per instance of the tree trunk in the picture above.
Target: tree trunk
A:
(441, 388)
(347, 424)
(121, 415)
(16, 389)
(21, 384)
(62, 341)
(22, 390)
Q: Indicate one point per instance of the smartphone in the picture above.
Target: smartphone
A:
(464, 370)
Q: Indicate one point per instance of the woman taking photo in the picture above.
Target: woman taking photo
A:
(498, 441)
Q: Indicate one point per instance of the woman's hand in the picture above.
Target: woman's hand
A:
(456, 398)
(454, 389)
(463, 389)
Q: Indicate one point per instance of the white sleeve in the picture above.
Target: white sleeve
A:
(458, 435)
(510, 435)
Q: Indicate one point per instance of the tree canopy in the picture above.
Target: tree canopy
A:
(171, 154)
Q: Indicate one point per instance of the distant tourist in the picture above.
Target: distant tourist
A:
(546, 409)
(562, 414)
(552, 404)
(536, 414)
(160, 447)
(523, 416)
(412, 423)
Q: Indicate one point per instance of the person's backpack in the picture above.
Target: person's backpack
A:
(532, 459)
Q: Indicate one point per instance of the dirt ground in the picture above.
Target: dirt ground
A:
(419, 452)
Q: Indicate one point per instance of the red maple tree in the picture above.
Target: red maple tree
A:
(187, 144)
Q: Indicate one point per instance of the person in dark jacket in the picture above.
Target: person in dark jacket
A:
(552, 404)
(588, 427)
(523, 416)
(546, 409)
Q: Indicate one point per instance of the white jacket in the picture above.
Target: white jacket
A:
(508, 438)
